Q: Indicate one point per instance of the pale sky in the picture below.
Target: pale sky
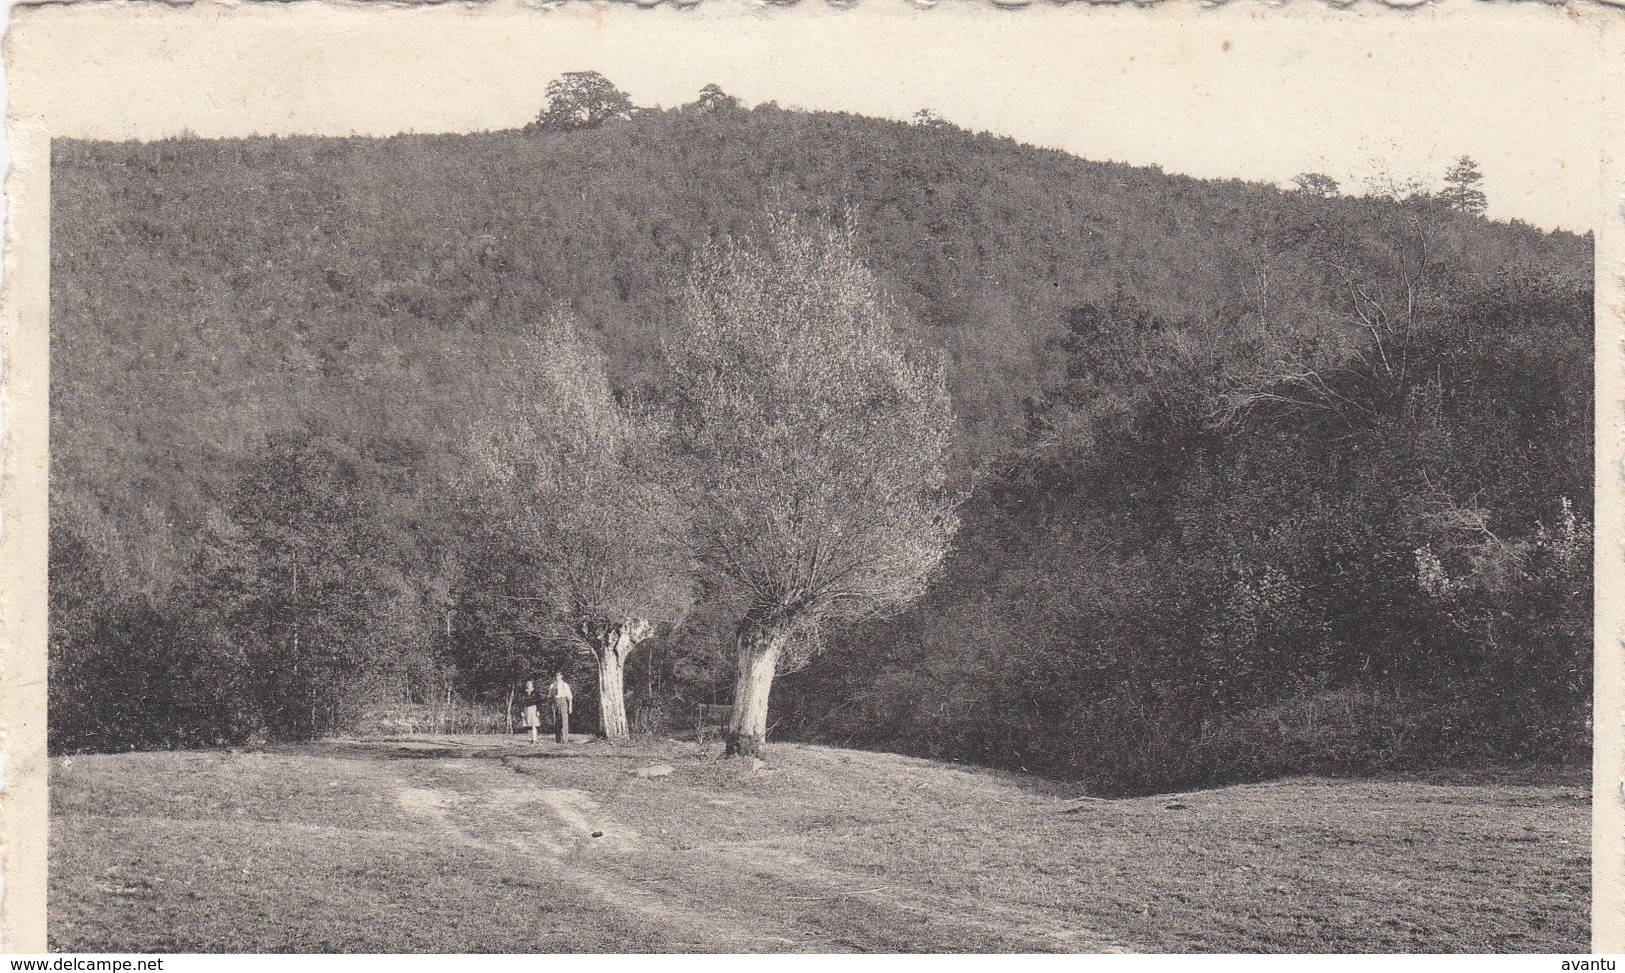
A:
(1241, 91)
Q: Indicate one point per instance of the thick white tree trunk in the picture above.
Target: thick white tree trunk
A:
(614, 646)
(759, 649)
(611, 692)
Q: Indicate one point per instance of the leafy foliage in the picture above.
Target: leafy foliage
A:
(573, 486)
(1316, 184)
(581, 100)
(1390, 574)
(713, 98)
(817, 445)
(816, 448)
(573, 483)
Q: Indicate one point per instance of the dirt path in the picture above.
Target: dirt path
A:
(709, 896)
(574, 845)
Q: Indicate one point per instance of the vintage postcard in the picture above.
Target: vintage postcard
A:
(745, 478)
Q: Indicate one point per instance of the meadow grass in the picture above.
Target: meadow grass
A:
(486, 844)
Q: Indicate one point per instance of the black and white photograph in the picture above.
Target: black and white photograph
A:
(825, 493)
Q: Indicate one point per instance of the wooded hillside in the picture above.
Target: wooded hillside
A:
(1259, 480)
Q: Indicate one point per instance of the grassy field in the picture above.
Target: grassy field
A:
(481, 844)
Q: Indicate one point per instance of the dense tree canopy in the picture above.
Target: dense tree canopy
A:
(571, 484)
(581, 100)
(817, 448)
(1316, 184)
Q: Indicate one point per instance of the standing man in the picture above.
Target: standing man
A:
(532, 708)
(563, 700)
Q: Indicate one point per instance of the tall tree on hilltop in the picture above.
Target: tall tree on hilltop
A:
(1463, 187)
(583, 99)
(1316, 184)
(572, 477)
(817, 449)
(713, 98)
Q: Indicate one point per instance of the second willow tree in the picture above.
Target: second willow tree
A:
(574, 478)
(816, 446)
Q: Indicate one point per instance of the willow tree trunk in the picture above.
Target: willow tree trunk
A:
(612, 653)
(759, 649)
(614, 644)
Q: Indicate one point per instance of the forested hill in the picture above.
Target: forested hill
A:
(1118, 340)
(335, 269)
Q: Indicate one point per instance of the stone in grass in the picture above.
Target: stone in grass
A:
(654, 770)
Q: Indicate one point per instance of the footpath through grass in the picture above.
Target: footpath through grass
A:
(483, 844)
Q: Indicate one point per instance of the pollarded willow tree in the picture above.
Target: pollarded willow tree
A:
(816, 446)
(578, 480)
